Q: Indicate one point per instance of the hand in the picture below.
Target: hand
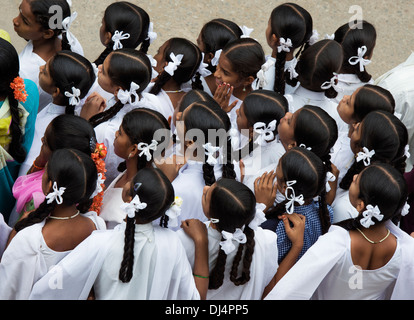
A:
(222, 96)
(94, 104)
(295, 233)
(265, 189)
(196, 230)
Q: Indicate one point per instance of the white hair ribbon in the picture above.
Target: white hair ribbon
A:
(56, 195)
(304, 147)
(266, 133)
(366, 156)
(69, 2)
(284, 45)
(145, 148)
(202, 69)
(370, 213)
(228, 246)
(118, 37)
(330, 177)
(74, 96)
(126, 96)
(213, 220)
(134, 206)
(291, 68)
(259, 217)
(407, 151)
(99, 182)
(152, 36)
(210, 153)
(261, 75)
(234, 136)
(360, 59)
(405, 210)
(173, 65)
(174, 212)
(330, 36)
(290, 205)
(66, 23)
(216, 59)
(331, 83)
(314, 38)
(246, 32)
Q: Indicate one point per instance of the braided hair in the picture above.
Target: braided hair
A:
(154, 189)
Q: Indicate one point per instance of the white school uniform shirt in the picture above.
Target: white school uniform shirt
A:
(326, 270)
(263, 268)
(111, 210)
(342, 207)
(4, 234)
(206, 88)
(43, 119)
(302, 96)
(28, 258)
(399, 81)
(30, 64)
(161, 270)
(348, 84)
(342, 156)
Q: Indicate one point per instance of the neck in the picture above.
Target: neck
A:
(171, 85)
(289, 55)
(46, 48)
(64, 211)
(240, 94)
(132, 170)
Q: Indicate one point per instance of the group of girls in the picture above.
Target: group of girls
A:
(208, 171)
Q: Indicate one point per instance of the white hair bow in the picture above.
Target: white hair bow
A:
(266, 133)
(284, 45)
(234, 136)
(261, 75)
(246, 32)
(174, 212)
(210, 153)
(370, 213)
(330, 177)
(145, 148)
(126, 96)
(291, 68)
(314, 38)
(134, 206)
(330, 36)
(290, 205)
(118, 37)
(173, 65)
(407, 151)
(216, 59)
(331, 83)
(304, 147)
(366, 156)
(405, 210)
(202, 69)
(99, 182)
(228, 246)
(69, 2)
(360, 59)
(56, 195)
(66, 23)
(74, 96)
(152, 36)
(259, 217)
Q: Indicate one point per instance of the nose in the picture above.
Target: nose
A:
(15, 22)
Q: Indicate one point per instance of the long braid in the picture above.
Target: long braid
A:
(324, 216)
(36, 216)
(106, 115)
(125, 272)
(16, 149)
(228, 166)
(280, 83)
(247, 259)
(217, 274)
(160, 82)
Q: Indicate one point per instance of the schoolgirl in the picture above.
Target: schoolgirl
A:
(45, 236)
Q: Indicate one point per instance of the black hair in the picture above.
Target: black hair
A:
(154, 189)
(186, 70)
(317, 65)
(353, 37)
(128, 18)
(140, 125)
(70, 169)
(41, 9)
(380, 185)
(216, 34)
(192, 96)
(384, 133)
(125, 66)
(9, 70)
(371, 98)
(204, 116)
(234, 205)
(309, 172)
(71, 70)
(289, 21)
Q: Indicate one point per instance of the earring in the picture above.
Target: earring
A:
(244, 89)
(130, 156)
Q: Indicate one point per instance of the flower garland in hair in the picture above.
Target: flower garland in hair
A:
(18, 86)
(98, 157)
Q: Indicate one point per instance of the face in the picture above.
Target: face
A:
(200, 43)
(206, 199)
(122, 144)
(160, 58)
(354, 191)
(46, 183)
(280, 178)
(225, 74)
(356, 138)
(45, 151)
(286, 130)
(25, 23)
(45, 80)
(346, 108)
(242, 121)
(103, 78)
(103, 34)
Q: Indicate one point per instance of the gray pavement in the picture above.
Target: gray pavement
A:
(394, 21)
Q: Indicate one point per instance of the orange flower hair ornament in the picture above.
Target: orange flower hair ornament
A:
(98, 157)
(18, 86)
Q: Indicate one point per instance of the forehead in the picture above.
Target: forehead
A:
(225, 63)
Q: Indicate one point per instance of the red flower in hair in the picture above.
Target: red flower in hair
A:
(18, 86)
(98, 157)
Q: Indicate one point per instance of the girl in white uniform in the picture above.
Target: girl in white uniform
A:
(380, 137)
(136, 143)
(32, 24)
(44, 236)
(67, 78)
(135, 261)
(367, 257)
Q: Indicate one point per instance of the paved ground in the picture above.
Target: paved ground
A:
(394, 20)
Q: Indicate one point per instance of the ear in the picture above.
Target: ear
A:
(117, 88)
(274, 41)
(208, 57)
(133, 151)
(360, 206)
(248, 81)
(48, 34)
(178, 116)
(292, 145)
(107, 38)
(49, 186)
(56, 93)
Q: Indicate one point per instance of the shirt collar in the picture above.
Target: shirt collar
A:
(311, 95)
